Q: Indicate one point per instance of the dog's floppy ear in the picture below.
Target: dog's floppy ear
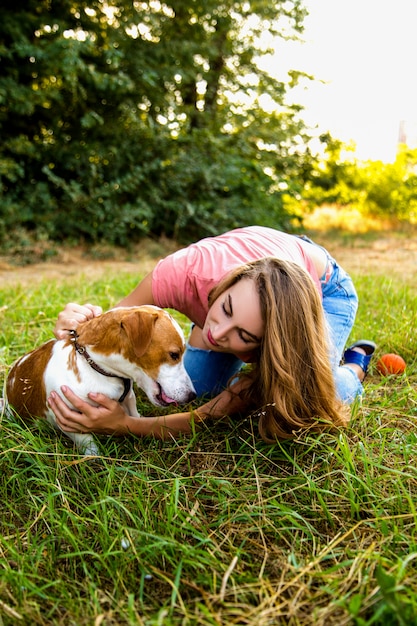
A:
(138, 327)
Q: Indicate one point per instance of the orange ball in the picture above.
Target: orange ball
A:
(391, 364)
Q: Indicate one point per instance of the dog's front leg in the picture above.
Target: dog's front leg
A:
(85, 443)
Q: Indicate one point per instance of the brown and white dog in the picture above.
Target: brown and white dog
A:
(142, 344)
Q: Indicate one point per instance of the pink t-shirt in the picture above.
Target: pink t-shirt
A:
(184, 279)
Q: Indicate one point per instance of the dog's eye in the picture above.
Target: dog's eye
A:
(175, 356)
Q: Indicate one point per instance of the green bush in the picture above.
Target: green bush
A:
(108, 134)
(386, 190)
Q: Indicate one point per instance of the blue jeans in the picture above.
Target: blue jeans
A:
(340, 303)
(211, 371)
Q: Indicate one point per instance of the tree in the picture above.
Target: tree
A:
(133, 118)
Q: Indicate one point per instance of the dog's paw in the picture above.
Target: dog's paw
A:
(85, 444)
(90, 450)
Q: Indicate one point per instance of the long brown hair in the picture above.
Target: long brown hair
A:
(291, 384)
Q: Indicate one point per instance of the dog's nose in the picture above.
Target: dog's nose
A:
(191, 396)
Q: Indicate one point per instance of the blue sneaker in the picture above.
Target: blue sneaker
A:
(363, 360)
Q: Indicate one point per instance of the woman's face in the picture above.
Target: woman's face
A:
(234, 321)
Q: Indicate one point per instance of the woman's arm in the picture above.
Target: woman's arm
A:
(109, 417)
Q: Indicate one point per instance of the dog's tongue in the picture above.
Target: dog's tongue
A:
(167, 399)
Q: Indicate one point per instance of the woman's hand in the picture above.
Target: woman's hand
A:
(108, 417)
(72, 315)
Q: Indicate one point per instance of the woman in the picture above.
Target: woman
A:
(255, 295)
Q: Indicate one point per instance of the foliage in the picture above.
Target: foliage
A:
(387, 190)
(391, 188)
(128, 119)
(218, 527)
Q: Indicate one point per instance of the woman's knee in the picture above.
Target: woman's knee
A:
(210, 371)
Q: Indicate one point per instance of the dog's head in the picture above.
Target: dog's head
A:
(144, 343)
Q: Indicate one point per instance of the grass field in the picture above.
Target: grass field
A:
(216, 528)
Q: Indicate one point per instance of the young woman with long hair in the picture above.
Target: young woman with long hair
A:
(276, 302)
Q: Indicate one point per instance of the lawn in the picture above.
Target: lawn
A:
(216, 528)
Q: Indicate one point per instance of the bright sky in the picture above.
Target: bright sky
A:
(366, 52)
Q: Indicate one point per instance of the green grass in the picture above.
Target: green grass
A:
(216, 528)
